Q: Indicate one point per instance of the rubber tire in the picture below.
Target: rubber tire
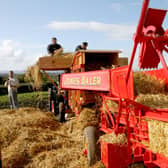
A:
(90, 139)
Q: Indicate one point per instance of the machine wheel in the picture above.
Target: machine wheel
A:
(90, 141)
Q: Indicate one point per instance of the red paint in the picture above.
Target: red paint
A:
(119, 86)
(113, 155)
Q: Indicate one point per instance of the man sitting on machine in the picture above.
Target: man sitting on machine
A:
(54, 48)
(82, 47)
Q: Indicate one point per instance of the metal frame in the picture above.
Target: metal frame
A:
(129, 118)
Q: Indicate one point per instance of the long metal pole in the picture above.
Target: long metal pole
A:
(45, 73)
(50, 79)
(142, 17)
(131, 61)
(138, 33)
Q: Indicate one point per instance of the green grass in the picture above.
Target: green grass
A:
(26, 99)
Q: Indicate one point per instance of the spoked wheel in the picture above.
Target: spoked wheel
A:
(90, 142)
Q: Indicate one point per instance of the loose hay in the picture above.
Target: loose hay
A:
(11, 125)
(88, 117)
(30, 138)
(146, 84)
(33, 75)
(153, 100)
(112, 105)
(114, 139)
(55, 158)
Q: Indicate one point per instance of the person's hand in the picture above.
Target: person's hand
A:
(58, 52)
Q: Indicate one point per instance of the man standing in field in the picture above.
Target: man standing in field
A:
(61, 105)
(12, 84)
(54, 48)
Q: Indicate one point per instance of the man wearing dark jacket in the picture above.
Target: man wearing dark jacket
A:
(61, 102)
(82, 47)
(54, 48)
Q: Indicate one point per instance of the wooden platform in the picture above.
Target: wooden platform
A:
(61, 62)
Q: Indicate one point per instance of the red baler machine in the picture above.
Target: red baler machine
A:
(117, 85)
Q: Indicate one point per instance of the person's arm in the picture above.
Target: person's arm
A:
(59, 48)
(59, 51)
(16, 84)
(6, 83)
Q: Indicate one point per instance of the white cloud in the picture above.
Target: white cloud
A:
(9, 49)
(114, 31)
(13, 56)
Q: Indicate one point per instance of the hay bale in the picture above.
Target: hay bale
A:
(58, 61)
(158, 136)
(65, 59)
(147, 84)
(114, 139)
(153, 100)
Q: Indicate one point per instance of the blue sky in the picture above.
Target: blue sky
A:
(28, 25)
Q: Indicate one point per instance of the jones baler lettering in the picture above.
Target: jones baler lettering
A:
(83, 81)
(90, 81)
(72, 81)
